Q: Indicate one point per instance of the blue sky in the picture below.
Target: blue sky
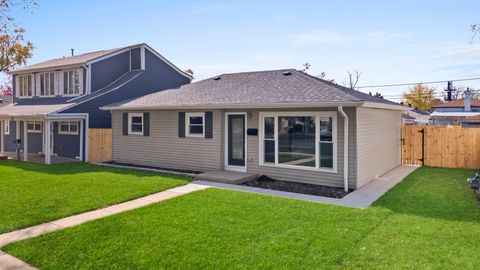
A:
(405, 41)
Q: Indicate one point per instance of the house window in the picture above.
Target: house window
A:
(195, 123)
(47, 84)
(135, 123)
(6, 127)
(302, 140)
(24, 88)
(34, 127)
(68, 128)
(72, 82)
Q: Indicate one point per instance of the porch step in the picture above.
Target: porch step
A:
(228, 177)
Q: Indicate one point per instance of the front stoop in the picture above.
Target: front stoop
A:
(228, 177)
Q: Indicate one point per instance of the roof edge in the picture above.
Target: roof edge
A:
(379, 105)
(112, 107)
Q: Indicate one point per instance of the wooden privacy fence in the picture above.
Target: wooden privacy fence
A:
(443, 146)
(99, 144)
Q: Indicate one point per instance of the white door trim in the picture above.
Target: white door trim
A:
(232, 167)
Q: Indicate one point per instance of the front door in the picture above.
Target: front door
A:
(235, 142)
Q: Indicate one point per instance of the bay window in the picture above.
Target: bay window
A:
(303, 140)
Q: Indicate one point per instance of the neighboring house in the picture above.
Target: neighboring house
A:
(416, 117)
(408, 120)
(5, 100)
(453, 112)
(470, 122)
(283, 123)
(57, 101)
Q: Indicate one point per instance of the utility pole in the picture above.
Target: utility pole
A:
(449, 90)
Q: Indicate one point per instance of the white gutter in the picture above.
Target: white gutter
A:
(345, 147)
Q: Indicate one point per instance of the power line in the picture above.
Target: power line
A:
(406, 84)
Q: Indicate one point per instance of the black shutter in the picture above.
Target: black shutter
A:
(146, 124)
(125, 124)
(181, 124)
(209, 125)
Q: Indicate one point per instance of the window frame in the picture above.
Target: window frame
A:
(44, 74)
(66, 82)
(317, 115)
(6, 127)
(130, 116)
(34, 130)
(187, 124)
(70, 124)
(19, 91)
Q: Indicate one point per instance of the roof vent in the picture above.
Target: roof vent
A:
(217, 78)
(287, 73)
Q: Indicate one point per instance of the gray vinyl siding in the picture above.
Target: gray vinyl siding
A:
(163, 148)
(379, 142)
(306, 176)
(157, 76)
(108, 70)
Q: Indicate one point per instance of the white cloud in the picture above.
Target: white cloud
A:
(326, 36)
(272, 57)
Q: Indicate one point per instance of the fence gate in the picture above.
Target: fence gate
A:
(443, 146)
(99, 144)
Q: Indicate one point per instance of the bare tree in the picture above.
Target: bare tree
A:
(322, 75)
(353, 78)
(458, 93)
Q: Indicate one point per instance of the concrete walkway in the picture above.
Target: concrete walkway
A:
(10, 262)
(360, 198)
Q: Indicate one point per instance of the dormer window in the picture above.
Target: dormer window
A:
(47, 84)
(24, 86)
(72, 82)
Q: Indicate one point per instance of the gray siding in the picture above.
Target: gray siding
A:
(157, 76)
(163, 148)
(108, 70)
(298, 175)
(379, 144)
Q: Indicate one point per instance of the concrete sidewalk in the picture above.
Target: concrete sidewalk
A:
(360, 198)
(10, 262)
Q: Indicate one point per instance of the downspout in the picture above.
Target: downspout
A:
(345, 148)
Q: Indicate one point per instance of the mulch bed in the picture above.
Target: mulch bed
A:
(269, 183)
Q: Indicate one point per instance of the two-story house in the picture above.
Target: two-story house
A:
(56, 102)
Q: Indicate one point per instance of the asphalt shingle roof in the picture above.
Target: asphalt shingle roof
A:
(260, 87)
(459, 103)
(66, 61)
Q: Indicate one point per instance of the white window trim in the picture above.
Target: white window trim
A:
(317, 116)
(130, 115)
(62, 87)
(187, 125)
(6, 127)
(32, 86)
(39, 81)
(70, 124)
(34, 124)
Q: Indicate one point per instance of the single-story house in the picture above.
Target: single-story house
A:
(416, 117)
(454, 112)
(285, 124)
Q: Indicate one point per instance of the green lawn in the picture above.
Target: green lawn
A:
(35, 193)
(429, 221)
